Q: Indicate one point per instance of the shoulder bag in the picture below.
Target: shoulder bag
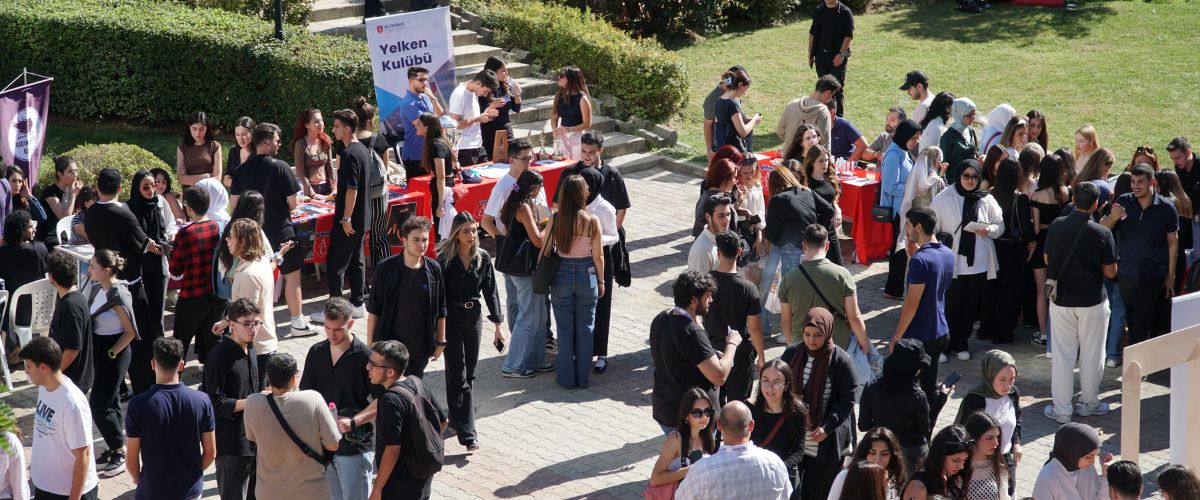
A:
(1052, 275)
(323, 459)
(837, 312)
(377, 178)
(880, 213)
(547, 267)
(516, 258)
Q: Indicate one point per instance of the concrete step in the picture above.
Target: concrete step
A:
(353, 26)
(326, 10)
(463, 72)
(533, 88)
(634, 162)
(538, 131)
(467, 55)
(532, 110)
(617, 144)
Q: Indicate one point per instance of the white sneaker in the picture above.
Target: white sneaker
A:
(360, 312)
(317, 317)
(1112, 363)
(1087, 410)
(781, 339)
(964, 356)
(303, 330)
(1049, 413)
(1049, 355)
(942, 358)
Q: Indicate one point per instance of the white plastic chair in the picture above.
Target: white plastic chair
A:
(41, 294)
(64, 230)
(3, 351)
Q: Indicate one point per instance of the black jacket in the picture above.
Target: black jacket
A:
(790, 212)
(386, 286)
(113, 227)
(839, 412)
(901, 408)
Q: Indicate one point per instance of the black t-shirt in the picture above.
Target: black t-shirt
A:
(412, 310)
(735, 300)
(273, 179)
(47, 227)
(395, 416)
(380, 145)
(353, 166)
(613, 190)
(724, 132)
(21, 264)
(831, 26)
(440, 150)
(71, 327)
(1190, 179)
(1081, 283)
(677, 345)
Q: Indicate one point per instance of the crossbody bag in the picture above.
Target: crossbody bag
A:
(321, 458)
(828, 305)
(1051, 288)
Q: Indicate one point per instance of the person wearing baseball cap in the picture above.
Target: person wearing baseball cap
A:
(917, 86)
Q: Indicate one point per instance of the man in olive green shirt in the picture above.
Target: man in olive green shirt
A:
(797, 296)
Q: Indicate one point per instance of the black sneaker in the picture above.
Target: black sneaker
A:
(551, 345)
(103, 459)
(115, 465)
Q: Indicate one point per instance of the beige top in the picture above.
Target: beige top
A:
(256, 281)
(284, 472)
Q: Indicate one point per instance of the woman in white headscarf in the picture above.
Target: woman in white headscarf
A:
(960, 143)
(218, 201)
(924, 182)
(997, 120)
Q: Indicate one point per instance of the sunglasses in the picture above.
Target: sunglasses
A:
(707, 412)
(1144, 149)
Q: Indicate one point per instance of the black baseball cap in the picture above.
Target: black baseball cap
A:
(914, 77)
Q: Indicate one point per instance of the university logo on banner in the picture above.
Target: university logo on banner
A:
(400, 41)
(23, 113)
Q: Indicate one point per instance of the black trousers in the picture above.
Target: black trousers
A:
(417, 363)
(194, 317)
(824, 65)
(1146, 306)
(380, 247)
(604, 308)
(88, 495)
(469, 157)
(235, 477)
(489, 130)
(103, 400)
(373, 8)
(964, 305)
(1007, 293)
(929, 377)
(817, 478)
(741, 377)
(148, 305)
(413, 168)
(345, 259)
(897, 264)
(835, 248)
(463, 330)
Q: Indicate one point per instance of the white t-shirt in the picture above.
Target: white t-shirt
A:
(500, 192)
(922, 107)
(61, 423)
(466, 104)
(12, 481)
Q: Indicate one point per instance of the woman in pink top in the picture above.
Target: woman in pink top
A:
(575, 234)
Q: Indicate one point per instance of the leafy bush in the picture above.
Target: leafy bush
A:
(651, 81)
(92, 158)
(771, 11)
(294, 11)
(147, 61)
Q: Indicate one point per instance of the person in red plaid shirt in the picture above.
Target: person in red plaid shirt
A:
(191, 261)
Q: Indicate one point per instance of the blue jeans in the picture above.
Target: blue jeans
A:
(350, 476)
(527, 348)
(1116, 319)
(781, 260)
(574, 295)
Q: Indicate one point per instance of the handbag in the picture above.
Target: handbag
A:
(322, 458)
(516, 258)
(880, 213)
(1051, 287)
(547, 267)
(1016, 235)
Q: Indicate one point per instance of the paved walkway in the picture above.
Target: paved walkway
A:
(541, 441)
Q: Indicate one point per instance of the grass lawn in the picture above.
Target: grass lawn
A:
(63, 133)
(1129, 68)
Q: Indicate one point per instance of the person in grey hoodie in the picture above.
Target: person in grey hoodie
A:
(810, 110)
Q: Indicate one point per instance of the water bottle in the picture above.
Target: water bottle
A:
(333, 409)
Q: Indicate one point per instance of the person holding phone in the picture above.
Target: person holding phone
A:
(469, 278)
(731, 126)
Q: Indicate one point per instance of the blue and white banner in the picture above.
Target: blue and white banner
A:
(400, 41)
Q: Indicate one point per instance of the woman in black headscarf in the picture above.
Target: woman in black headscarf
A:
(824, 377)
(154, 216)
(897, 402)
(970, 217)
(1070, 473)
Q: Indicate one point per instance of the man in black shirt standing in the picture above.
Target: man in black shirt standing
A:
(111, 226)
(350, 211)
(683, 356)
(408, 300)
(230, 375)
(735, 310)
(337, 368)
(273, 179)
(387, 364)
(71, 325)
(1085, 252)
(612, 190)
(1187, 167)
(829, 43)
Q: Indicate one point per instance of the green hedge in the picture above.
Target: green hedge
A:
(651, 81)
(294, 11)
(92, 158)
(770, 11)
(146, 61)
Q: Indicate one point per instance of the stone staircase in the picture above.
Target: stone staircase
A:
(626, 150)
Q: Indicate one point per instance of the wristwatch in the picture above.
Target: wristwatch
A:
(111, 354)
(345, 220)
(441, 343)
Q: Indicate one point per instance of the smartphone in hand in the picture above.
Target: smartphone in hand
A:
(951, 379)
(499, 343)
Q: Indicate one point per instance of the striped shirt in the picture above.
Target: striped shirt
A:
(810, 446)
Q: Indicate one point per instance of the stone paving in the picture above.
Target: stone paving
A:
(541, 441)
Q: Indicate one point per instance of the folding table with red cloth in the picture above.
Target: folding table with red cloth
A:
(872, 239)
(313, 221)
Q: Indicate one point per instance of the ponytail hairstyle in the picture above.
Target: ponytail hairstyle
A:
(366, 113)
(735, 79)
(522, 191)
(110, 259)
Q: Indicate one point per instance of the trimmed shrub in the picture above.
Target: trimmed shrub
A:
(648, 79)
(147, 61)
(92, 158)
(294, 11)
(771, 11)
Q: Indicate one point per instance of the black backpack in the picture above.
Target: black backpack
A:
(424, 429)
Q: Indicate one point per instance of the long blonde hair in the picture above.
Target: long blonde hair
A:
(1100, 161)
(1089, 133)
(448, 248)
(782, 179)
(250, 245)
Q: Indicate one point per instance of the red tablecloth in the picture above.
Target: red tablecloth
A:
(314, 219)
(478, 194)
(872, 240)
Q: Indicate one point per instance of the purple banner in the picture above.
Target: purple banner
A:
(23, 114)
